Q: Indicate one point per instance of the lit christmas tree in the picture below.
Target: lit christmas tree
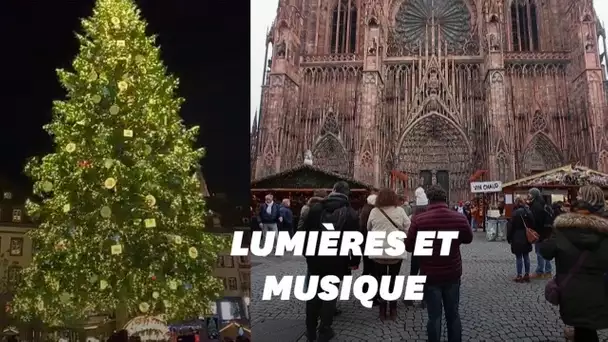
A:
(121, 213)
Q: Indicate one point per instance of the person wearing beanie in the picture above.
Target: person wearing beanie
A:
(543, 225)
(421, 199)
(443, 273)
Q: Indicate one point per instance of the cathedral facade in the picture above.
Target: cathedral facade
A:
(433, 89)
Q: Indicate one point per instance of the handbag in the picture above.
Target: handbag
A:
(553, 289)
(394, 224)
(531, 235)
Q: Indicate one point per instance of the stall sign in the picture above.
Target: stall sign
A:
(486, 187)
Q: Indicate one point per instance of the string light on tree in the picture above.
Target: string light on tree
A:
(121, 218)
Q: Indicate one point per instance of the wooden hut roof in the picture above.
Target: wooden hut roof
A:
(304, 176)
(568, 175)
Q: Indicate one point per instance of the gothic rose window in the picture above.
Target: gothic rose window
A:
(416, 19)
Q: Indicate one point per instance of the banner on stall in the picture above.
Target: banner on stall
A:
(486, 187)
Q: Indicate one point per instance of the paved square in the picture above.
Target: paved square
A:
(492, 308)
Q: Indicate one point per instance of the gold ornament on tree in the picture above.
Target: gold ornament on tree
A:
(193, 252)
(116, 249)
(71, 147)
(150, 200)
(150, 223)
(122, 86)
(114, 109)
(110, 183)
(106, 212)
(47, 186)
(120, 43)
(96, 98)
(127, 133)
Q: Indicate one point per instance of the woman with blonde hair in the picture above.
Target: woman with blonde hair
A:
(579, 244)
(388, 216)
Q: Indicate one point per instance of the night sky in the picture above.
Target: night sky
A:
(204, 43)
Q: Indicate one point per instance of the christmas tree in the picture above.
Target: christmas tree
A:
(120, 209)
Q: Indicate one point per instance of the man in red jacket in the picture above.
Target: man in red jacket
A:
(442, 287)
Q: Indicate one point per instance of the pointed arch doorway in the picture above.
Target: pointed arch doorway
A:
(433, 150)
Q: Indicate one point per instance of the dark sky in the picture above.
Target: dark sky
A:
(204, 43)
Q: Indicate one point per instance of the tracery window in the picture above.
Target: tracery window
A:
(524, 25)
(416, 19)
(344, 27)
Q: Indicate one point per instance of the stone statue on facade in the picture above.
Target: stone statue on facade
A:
(308, 157)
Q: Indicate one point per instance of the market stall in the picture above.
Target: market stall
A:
(299, 183)
(560, 184)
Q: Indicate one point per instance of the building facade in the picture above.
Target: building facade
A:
(433, 89)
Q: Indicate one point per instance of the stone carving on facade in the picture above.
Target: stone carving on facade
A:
(308, 157)
(373, 47)
(497, 77)
(281, 49)
(494, 43)
(589, 43)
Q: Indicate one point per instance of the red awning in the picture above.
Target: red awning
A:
(475, 176)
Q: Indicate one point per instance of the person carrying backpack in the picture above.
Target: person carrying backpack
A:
(542, 223)
(334, 209)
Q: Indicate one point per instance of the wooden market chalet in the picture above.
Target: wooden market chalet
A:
(559, 184)
(299, 183)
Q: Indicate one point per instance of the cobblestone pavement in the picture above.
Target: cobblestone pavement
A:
(492, 307)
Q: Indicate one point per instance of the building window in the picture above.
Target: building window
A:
(16, 247)
(14, 275)
(220, 261)
(8, 195)
(245, 281)
(16, 215)
(344, 27)
(231, 310)
(524, 25)
(229, 262)
(232, 284)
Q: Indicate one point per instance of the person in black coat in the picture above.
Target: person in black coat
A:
(335, 209)
(541, 223)
(581, 237)
(516, 236)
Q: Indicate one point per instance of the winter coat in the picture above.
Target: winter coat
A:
(438, 216)
(333, 209)
(377, 222)
(516, 231)
(305, 209)
(584, 299)
(273, 217)
(540, 217)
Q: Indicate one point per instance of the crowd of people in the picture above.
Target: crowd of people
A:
(576, 239)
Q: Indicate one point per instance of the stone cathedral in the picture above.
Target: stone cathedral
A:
(433, 89)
